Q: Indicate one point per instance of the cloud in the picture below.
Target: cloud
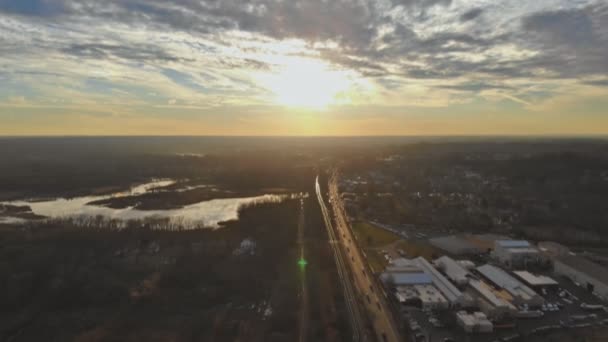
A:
(141, 52)
(599, 83)
(41, 8)
(211, 51)
(422, 3)
(474, 86)
(571, 43)
(471, 14)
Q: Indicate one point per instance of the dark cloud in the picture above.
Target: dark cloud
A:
(567, 28)
(474, 86)
(471, 14)
(571, 42)
(598, 83)
(42, 8)
(422, 3)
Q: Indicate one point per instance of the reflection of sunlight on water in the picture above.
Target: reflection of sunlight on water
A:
(143, 188)
(203, 214)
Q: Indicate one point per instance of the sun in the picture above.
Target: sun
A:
(308, 84)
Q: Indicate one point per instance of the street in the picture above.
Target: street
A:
(375, 301)
(357, 323)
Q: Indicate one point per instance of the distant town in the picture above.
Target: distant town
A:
(471, 246)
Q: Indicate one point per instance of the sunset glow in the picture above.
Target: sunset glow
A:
(351, 67)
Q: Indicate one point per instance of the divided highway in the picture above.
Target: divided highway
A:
(372, 296)
(356, 320)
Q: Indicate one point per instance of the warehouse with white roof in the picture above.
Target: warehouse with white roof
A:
(513, 253)
(521, 293)
(489, 302)
(449, 291)
(453, 270)
(534, 280)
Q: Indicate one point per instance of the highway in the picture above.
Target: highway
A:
(357, 323)
(376, 302)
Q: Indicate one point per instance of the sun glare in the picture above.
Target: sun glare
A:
(308, 83)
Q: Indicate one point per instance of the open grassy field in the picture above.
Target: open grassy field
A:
(415, 249)
(372, 239)
(370, 236)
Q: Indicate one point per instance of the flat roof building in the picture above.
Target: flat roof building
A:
(475, 322)
(587, 273)
(489, 302)
(449, 291)
(424, 296)
(454, 270)
(534, 280)
(521, 293)
(514, 253)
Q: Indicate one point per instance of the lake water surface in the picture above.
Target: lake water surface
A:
(207, 213)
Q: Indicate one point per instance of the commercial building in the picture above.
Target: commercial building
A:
(423, 296)
(534, 280)
(520, 293)
(475, 322)
(489, 301)
(588, 274)
(514, 253)
(447, 289)
(453, 270)
(413, 285)
(403, 272)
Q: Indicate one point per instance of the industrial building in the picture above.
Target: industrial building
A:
(403, 272)
(475, 322)
(423, 296)
(489, 301)
(514, 253)
(589, 274)
(453, 270)
(451, 292)
(520, 293)
(535, 281)
(414, 285)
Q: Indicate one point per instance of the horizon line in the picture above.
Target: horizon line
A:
(523, 135)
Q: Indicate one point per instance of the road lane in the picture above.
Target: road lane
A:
(377, 307)
(357, 323)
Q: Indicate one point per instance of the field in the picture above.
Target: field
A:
(418, 248)
(372, 240)
(371, 237)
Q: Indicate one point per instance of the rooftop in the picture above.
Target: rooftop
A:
(583, 265)
(535, 280)
(452, 269)
(506, 281)
(513, 243)
(411, 278)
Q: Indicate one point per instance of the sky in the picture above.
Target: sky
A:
(303, 67)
